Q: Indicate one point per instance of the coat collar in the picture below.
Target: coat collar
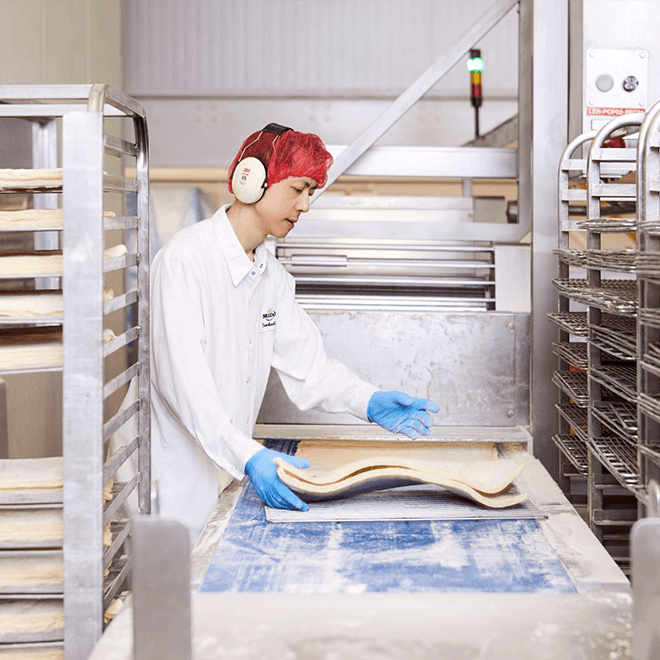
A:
(238, 262)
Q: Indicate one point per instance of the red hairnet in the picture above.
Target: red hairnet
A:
(291, 154)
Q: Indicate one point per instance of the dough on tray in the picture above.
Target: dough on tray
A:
(45, 264)
(484, 482)
(37, 218)
(31, 305)
(31, 178)
(20, 474)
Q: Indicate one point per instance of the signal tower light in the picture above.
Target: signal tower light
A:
(475, 66)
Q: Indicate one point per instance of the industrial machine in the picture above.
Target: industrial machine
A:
(396, 284)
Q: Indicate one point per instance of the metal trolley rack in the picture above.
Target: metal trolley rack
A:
(648, 328)
(72, 152)
(600, 401)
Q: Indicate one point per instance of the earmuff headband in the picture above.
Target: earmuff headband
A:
(250, 176)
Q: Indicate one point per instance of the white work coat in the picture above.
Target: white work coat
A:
(218, 323)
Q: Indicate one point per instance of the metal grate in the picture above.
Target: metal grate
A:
(651, 359)
(575, 323)
(615, 260)
(618, 296)
(652, 452)
(649, 227)
(574, 384)
(616, 335)
(650, 317)
(575, 451)
(573, 353)
(609, 225)
(649, 263)
(620, 458)
(619, 416)
(649, 405)
(576, 417)
(620, 379)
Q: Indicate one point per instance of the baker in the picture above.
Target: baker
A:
(223, 312)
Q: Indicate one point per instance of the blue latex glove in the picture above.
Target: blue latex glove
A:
(262, 471)
(400, 413)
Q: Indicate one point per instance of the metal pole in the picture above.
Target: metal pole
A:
(543, 125)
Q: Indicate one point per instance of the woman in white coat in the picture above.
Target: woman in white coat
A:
(223, 313)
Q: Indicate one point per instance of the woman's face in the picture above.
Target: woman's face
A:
(283, 202)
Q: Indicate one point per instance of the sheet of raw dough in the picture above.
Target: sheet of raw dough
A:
(328, 454)
(30, 474)
(29, 265)
(43, 618)
(31, 305)
(488, 477)
(32, 350)
(38, 218)
(27, 572)
(24, 526)
(43, 304)
(33, 653)
(51, 178)
(483, 482)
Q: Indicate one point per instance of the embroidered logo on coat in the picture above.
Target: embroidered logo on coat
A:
(268, 318)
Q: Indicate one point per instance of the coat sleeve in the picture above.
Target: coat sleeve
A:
(310, 378)
(181, 376)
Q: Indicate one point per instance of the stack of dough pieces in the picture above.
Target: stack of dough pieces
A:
(44, 263)
(484, 482)
(31, 178)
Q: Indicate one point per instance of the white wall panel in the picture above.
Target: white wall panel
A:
(305, 48)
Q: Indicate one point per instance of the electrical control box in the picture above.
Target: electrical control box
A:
(616, 82)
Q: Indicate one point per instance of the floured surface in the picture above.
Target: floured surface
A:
(408, 503)
(384, 556)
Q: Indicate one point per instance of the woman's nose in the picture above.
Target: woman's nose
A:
(303, 202)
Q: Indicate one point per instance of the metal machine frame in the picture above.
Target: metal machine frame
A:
(73, 118)
(543, 120)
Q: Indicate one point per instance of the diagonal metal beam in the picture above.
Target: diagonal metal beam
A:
(417, 90)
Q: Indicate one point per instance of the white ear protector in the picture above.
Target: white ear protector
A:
(250, 178)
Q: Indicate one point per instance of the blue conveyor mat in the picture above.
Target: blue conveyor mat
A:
(495, 556)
